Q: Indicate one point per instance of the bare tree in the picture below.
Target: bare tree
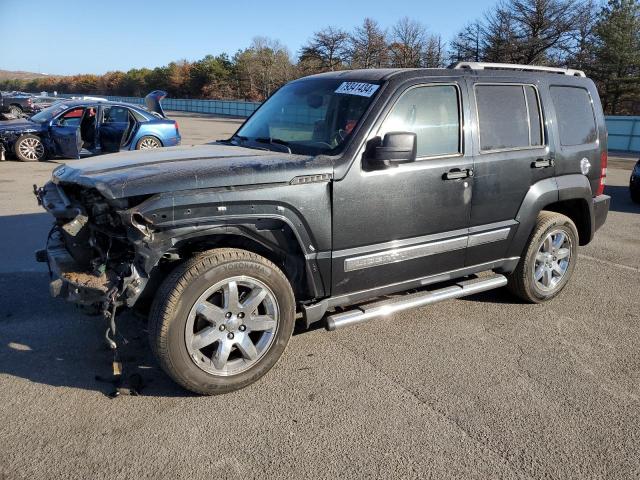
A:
(368, 46)
(328, 49)
(409, 39)
(263, 67)
(465, 47)
(434, 53)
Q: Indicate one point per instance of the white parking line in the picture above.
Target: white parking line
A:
(607, 262)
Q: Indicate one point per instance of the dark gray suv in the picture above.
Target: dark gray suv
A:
(341, 189)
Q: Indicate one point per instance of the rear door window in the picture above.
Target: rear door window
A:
(115, 114)
(433, 113)
(509, 117)
(574, 111)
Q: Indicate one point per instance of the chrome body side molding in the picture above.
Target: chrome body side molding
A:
(402, 254)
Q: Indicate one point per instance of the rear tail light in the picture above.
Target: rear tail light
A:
(177, 130)
(29, 102)
(603, 172)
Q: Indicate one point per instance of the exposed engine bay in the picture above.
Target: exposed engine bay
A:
(89, 248)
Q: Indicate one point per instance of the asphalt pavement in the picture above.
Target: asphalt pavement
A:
(480, 387)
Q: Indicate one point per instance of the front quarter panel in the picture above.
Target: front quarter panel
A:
(187, 216)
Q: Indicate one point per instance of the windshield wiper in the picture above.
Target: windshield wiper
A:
(237, 138)
(242, 141)
(274, 141)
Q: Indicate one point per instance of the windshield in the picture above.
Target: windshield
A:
(311, 117)
(49, 112)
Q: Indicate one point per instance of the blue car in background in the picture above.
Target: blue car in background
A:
(75, 128)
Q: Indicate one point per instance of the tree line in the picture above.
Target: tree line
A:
(601, 39)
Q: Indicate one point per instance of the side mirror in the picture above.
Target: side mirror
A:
(396, 148)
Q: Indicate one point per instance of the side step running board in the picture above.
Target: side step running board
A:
(387, 307)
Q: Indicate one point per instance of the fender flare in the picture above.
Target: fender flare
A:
(179, 225)
(544, 193)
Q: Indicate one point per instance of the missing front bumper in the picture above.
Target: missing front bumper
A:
(71, 282)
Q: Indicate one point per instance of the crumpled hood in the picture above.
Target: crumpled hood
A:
(145, 172)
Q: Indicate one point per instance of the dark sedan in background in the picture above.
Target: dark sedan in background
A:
(75, 128)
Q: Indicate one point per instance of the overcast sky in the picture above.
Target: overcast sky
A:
(97, 36)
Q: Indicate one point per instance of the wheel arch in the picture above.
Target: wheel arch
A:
(277, 244)
(272, 238)
(577, 209)
(569, 195)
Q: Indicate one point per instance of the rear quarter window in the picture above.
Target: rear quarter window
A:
(574, 113)
(139, 116)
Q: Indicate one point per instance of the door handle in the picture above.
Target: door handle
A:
(542, 163)
(456, 173)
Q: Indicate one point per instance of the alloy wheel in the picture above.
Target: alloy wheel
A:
(552, 260)
(31, 148)
(148, 143)
(232, 325)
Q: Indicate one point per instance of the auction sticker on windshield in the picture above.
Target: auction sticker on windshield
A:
(358, 88)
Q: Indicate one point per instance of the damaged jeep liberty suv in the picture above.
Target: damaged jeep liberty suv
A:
(346, 196)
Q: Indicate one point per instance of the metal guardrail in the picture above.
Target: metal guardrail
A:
(232, 108)
(624, 131)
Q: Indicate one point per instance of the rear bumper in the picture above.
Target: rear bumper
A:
(172, 141)
(600, 210)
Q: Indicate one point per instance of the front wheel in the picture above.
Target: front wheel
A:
(548, 260)
(221, 320)
(29, 148)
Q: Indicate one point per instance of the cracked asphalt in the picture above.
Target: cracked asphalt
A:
(481, 387)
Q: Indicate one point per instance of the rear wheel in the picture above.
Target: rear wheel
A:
(148, 142)
(221, 320)
(548, 261)
(29, 148)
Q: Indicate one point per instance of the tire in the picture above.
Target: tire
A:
(185, 316)
(15, 110)
(545, 269)
(148, 142)
(29, 148)
(635, 193)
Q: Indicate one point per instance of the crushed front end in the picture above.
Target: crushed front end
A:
(90, 251)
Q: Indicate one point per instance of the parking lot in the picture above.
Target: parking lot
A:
(481, 387)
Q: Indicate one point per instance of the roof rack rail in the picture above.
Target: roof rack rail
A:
(511, 66)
